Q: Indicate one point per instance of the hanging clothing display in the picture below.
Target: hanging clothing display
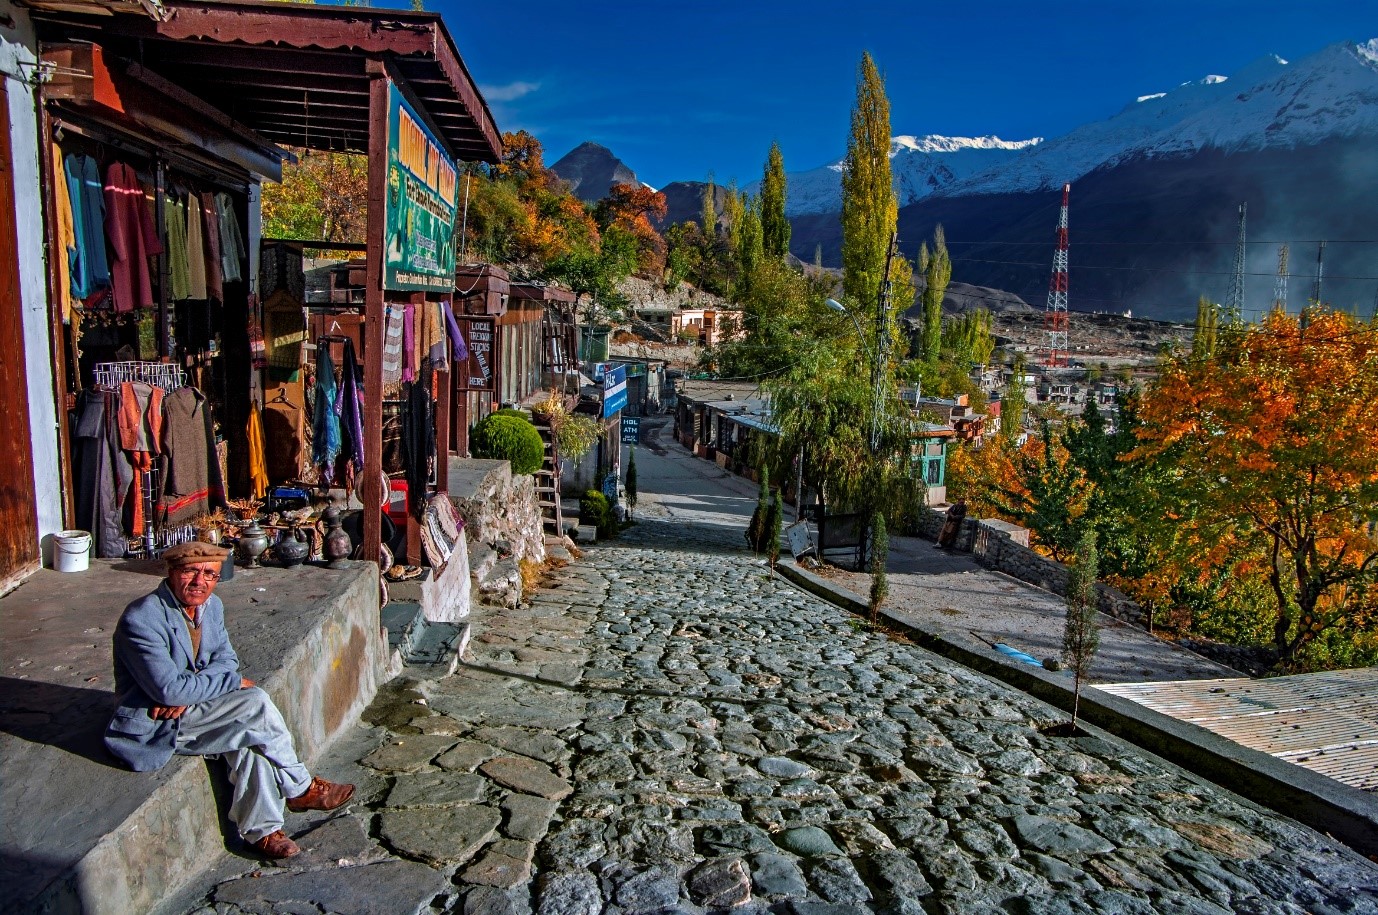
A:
(196, 248)
(325, 422)
(102, 472)
(418, 440)
(90, 270)
(65, 230)
(210, 223)
(433, 336)
(133, 238)
(393, 321)
(178, 270)
(191, 480)
(284, 425)
(258, 466)
(232, 250)
(140, 421)
(410, 362)
(349, 400)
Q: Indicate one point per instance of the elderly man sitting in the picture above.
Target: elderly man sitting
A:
(179, 691)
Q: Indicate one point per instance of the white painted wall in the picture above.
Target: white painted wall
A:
(17, 67)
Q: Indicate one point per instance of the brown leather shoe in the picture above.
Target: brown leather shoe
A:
(322, 795)
(276, 845)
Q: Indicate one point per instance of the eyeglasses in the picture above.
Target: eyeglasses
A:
(198, 573)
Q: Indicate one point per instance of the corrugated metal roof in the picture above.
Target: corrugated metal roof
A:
(1327, 722)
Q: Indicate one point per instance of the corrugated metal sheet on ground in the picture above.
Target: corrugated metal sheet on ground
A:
(1327, 722)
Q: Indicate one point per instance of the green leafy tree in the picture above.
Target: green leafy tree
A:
(869, 209)
(775, 228)
(1081, 634)
(1203, 336)
(937, 271)
(748, 243)
(708, 210)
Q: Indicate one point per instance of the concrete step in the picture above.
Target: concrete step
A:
(425, 648)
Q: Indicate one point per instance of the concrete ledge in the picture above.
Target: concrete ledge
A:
(1347, 814)
(79, 833)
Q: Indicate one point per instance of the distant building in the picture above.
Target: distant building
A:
(710, 325)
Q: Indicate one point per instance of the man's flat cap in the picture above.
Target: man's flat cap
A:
(194, 551)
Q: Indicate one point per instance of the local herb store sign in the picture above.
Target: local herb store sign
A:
(419, 214)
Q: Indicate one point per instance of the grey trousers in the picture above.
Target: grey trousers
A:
(246, 729)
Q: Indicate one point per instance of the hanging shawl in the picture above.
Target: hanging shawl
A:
(349, 401)
(325, 425)
(258, 466)
(461, 350)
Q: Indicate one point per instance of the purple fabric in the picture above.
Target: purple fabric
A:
(349, 407)
(409, 344)
(456, 338)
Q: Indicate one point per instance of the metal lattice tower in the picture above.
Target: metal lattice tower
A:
(1320, 274)
(1055, 317)
(1234, 303)
(1280, 286)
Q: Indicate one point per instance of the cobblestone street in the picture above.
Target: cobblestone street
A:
(666, 728)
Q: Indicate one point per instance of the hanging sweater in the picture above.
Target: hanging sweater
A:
(89, 268)
(192, 482)
(133, 238)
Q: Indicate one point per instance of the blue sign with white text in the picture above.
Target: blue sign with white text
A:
(614, 390)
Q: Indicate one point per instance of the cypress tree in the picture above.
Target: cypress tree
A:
(880, 551)
(631, 480)
(755, 528)
(774, 515)
(775, 228)
(749, 247)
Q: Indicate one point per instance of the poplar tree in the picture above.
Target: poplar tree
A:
(937, 271)
(775, 228)
(869, 209)
(1081, 633)
(708, 215)
(749, 247)
(1013, 404)
(1203, 337)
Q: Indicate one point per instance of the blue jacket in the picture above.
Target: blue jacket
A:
(154, 666)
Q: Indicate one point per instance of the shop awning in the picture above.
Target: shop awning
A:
(297, 73)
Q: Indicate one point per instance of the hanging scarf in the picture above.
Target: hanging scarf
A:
(258, 466)
(325, 425)
(409, 360)
(349, 401)
(461, 350)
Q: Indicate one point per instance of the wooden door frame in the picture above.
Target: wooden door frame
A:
(21, 555)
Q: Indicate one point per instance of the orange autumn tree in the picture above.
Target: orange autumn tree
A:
(630, 208)
(1272, 450)
(323, 197)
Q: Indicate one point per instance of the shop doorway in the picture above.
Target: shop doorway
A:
(18, 521)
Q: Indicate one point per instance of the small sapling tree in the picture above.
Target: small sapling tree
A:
(771, 532)
(880, 549)
(1081, 636)
(630, 483)
(755, 528)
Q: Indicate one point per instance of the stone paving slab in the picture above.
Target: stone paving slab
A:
(736, 742)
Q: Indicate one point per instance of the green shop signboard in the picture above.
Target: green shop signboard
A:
(420, 211)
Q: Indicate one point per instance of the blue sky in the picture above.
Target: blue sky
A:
(679, 90)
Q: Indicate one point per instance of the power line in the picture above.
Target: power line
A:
(978, 260)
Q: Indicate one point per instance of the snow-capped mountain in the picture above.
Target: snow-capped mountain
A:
(1270, 104)
(920, 166)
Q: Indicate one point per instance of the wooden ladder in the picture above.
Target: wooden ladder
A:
(548, 482)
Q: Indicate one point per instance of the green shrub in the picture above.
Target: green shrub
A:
(510, 438)
(594, 509)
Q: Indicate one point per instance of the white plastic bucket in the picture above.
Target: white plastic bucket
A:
(71, 551)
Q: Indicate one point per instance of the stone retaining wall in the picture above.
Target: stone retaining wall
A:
(994, 545)
(496, 506)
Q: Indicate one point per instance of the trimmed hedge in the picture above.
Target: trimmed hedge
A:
(504, 436)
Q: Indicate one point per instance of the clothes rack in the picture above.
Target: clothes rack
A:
(109, 376)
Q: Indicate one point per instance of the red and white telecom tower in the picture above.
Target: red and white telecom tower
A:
(1055, 318)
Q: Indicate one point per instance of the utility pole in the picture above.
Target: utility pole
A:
(1320, 274)
(882, 351)
(1234, 304)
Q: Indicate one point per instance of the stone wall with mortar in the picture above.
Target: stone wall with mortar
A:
(996, 546)
(496, 506)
